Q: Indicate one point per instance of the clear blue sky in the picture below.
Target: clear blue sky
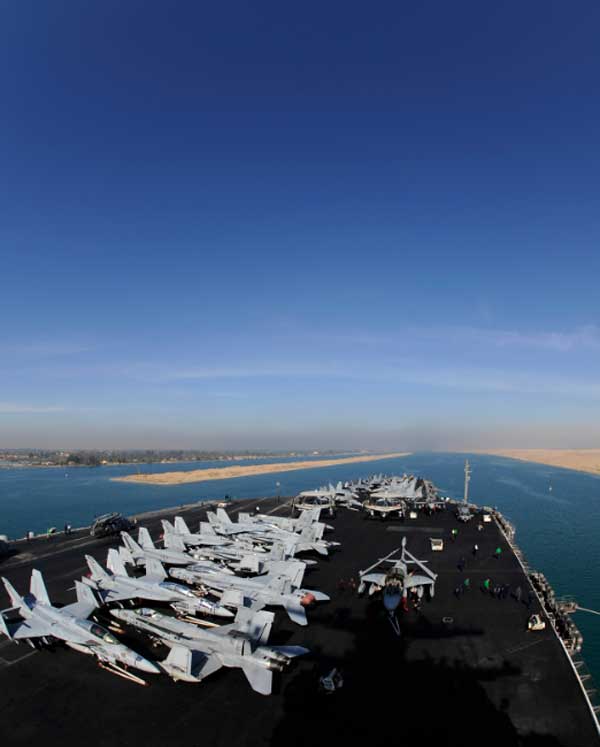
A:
(274, 225)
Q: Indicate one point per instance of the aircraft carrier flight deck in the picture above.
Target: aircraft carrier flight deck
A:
(464, 671)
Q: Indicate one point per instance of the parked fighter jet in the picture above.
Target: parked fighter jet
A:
(345, 495)
(397, 581)
(406, 487)
(293, 543)
(180, 529)
(243, 643)
(154, 586)
(257, 592)
(246, 561)
(69, 624)
(306, 519)
(137, 554)
(236, 543)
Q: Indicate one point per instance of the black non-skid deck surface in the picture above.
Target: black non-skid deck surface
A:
(477, 678)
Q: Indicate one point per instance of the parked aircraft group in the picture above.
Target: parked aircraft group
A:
(227, 572)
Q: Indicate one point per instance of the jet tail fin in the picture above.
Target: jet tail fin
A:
(180, 526)
(308, 534)
(126, 557)
(115, 563)
(257, 625)
(293, 570)
(174, 542)
(250, 564)
(296, 613)
(131, 545)
(16, 599)
(96, 570)
(232, 598)
(4, 627)
(277, 551)
(86, 601)
(145, 540)
(155, 570)
(259, 677)
(37, 587)
(305, 519)
(179, 663)
(223, 516)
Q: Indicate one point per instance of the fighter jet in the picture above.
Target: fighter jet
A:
(306, 541)
(236, 543)
(154, 586)
(222, 525)
(247, 561)
(344, 495)
(397, 581)
(306, 519)
(137, 554)
(257, 592)
(293, 543)
(243, 644)
(69, 624)
(181, 530)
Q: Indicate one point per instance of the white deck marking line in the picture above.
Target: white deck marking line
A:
(16, 661)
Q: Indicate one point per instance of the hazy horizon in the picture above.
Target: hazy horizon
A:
(254, 228)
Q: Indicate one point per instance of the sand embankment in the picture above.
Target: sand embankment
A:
(222, 473)
(582, 460)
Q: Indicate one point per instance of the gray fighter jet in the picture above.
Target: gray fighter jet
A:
(222, 524)
(69, 624)
(180, 529)
(293, 543)
(242, 644)
(306, 519)
(257, 592)
(242, 560)
(137, 554)
(154, 586)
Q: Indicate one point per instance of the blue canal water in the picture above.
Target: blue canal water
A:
(557, 529)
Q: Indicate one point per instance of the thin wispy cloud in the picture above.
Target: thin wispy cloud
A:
(44, 349)
(15, 408)
(405, 371)
(582, 338)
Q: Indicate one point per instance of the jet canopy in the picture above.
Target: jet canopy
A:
(99, 632)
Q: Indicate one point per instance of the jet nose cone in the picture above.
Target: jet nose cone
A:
(223, 612)
(138, 662)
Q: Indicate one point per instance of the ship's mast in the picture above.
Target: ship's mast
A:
(467, 478)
